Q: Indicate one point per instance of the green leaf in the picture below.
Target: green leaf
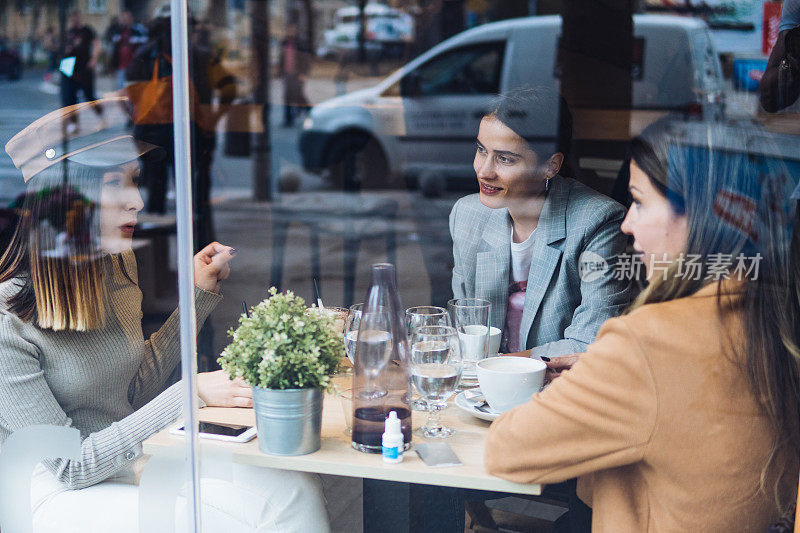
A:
(283, 345)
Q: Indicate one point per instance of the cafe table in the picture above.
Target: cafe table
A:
(396, 496)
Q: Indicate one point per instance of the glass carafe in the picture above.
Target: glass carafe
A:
(380, 378)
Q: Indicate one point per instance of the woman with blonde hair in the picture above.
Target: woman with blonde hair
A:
(683, 414)
(72, 352)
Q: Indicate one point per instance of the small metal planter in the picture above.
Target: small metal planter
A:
(289, 422)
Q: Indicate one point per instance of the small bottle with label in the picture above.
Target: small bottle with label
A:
(392, 440)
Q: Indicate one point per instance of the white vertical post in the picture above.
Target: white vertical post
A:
(184, 222)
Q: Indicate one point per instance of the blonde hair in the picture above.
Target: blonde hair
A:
(69, 293)
(53, 256)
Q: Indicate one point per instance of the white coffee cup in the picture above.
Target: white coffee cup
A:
(507, 382)
(472, 340)
(495, 336)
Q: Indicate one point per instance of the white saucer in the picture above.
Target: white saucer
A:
(468, 406)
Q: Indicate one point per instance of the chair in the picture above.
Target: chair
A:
(481, 519)
(540, 516)
(352, 217)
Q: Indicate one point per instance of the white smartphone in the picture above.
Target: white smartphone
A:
(226, 432)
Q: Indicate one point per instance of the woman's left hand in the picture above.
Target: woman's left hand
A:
(211, 266)
(217, 389)
(556, 365)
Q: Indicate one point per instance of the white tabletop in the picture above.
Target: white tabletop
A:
(337, 457)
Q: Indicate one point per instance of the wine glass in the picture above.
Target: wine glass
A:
(424, 315)
(351, 325)
(373, 348)
(471, 318)
(436, 366)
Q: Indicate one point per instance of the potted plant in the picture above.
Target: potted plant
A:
(288, 353)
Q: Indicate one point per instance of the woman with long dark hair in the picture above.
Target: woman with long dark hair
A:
(683, 414)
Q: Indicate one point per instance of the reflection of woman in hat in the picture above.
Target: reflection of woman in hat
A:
(72, 351)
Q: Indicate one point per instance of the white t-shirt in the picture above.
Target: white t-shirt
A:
(521, 254)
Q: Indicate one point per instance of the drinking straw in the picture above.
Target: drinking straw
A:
(318, 295)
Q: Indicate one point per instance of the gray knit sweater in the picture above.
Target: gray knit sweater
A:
(107, 383)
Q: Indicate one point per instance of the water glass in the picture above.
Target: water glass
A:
(351, 325)
(436, 366)
(424, 315)
(339, 317)
(346, 399)
(471, 318)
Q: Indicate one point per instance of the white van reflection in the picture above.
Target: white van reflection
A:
(421, 120)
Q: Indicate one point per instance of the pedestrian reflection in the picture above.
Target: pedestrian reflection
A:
(293, 66)
(79, 65)
(211, 89)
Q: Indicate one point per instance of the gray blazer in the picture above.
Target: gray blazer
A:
(562, 312)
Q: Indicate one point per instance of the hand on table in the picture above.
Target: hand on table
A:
(217, 389)
(556, 365)
(211, 266)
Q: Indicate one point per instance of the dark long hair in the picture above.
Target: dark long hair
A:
(735, 193)
(539, 115)
(54, 255)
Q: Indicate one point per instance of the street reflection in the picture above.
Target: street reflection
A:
(364, 111)
(327, 136)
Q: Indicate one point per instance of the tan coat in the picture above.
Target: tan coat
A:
(657, 421)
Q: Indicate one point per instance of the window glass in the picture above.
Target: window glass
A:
(482, 147)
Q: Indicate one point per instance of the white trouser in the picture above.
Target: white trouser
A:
(257, 500)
